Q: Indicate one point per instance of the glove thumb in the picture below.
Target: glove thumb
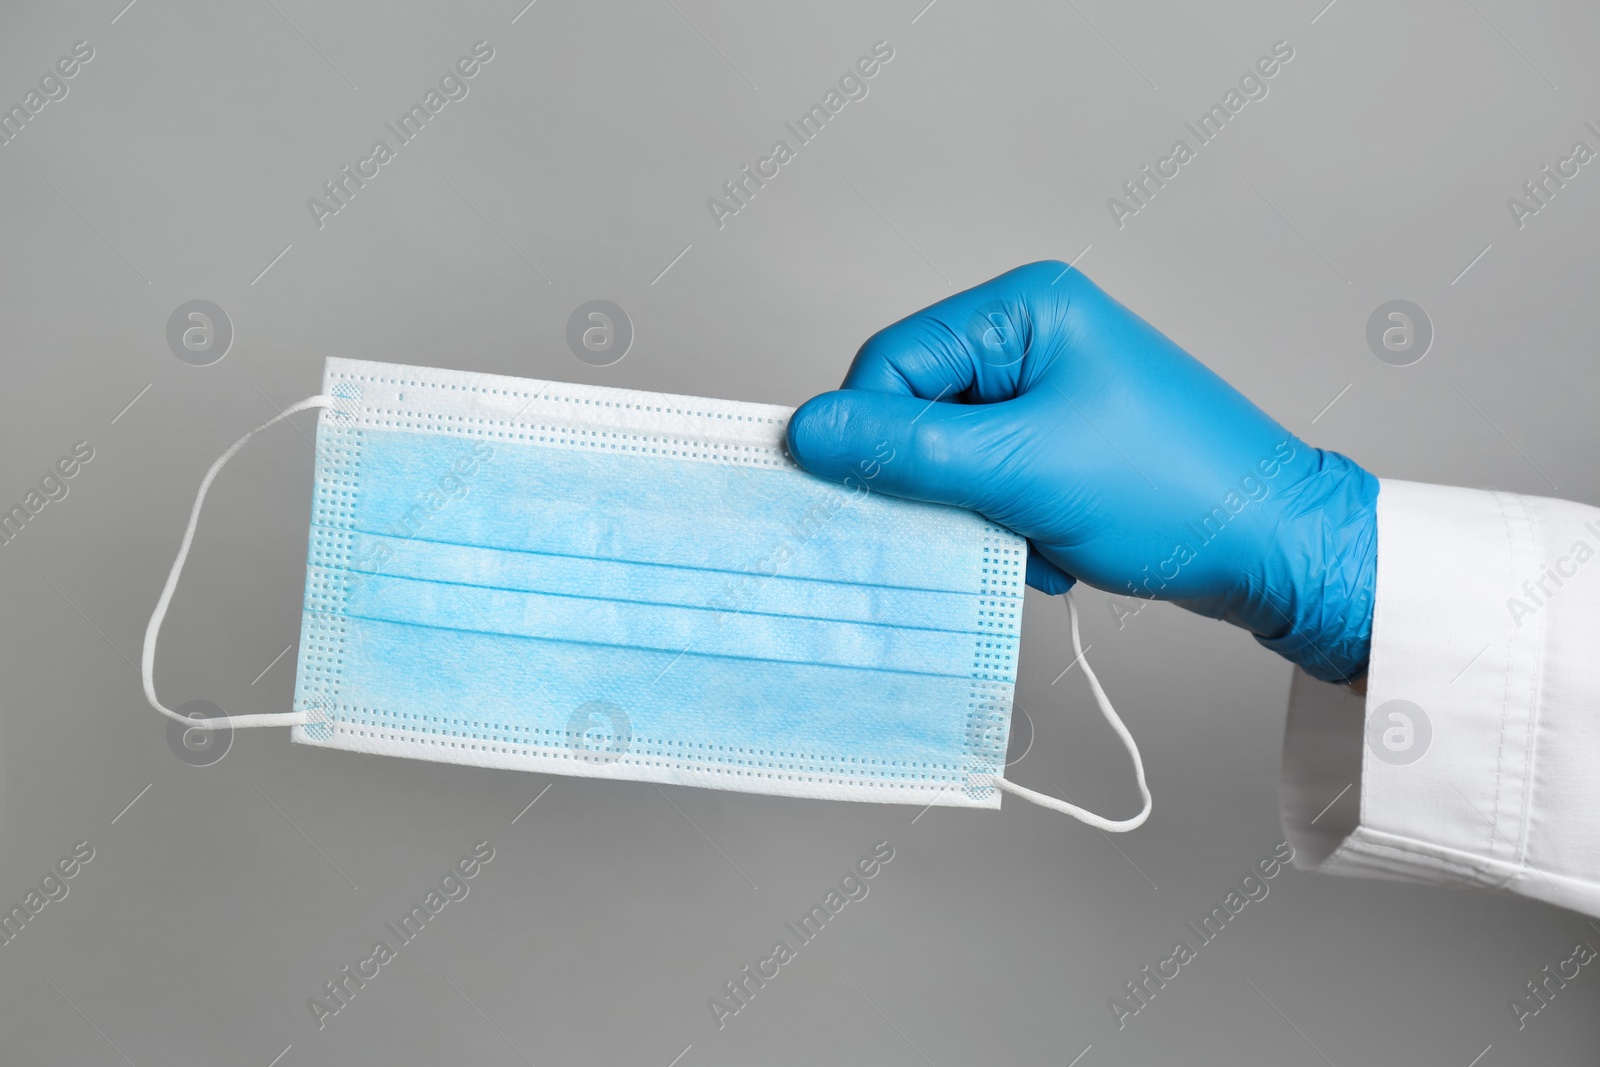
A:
(900, 445)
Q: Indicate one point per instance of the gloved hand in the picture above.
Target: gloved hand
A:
(1040, 402)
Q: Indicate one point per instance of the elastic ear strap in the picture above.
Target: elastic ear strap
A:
(147, 661)
(1100, 698)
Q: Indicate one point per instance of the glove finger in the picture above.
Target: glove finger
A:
(972, 346)
(1046, 576)
(900, 445)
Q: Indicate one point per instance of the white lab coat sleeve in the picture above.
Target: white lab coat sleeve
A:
(1486, 624)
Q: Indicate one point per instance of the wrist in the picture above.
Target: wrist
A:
(1324, 554)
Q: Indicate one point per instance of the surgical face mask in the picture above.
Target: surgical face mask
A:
(616, 584)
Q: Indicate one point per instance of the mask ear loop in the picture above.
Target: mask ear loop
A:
(1099, 822)
(147, 661)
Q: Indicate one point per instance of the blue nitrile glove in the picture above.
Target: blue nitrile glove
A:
(1045, 405)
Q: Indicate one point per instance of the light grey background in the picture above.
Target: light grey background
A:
(578, 167)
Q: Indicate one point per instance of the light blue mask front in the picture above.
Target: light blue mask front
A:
(592, 581)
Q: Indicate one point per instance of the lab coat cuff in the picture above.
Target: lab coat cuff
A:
(1428, 779)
